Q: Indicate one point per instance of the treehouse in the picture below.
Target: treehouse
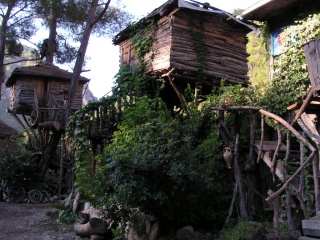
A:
(40, 91)
(194, 43)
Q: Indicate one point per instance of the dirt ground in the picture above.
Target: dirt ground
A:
(29, 221)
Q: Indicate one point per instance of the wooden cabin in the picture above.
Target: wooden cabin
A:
(40, 91)
(5, 133)
(194, 42)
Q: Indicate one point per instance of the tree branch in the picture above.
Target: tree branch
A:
(22, 60)
(106, 6)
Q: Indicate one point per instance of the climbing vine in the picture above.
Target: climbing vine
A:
(291, 79)
(197, 35)
(143, 39)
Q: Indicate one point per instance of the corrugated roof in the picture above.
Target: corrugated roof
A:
(44, 70)
(6, 131)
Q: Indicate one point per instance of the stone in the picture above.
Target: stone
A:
(258, 234)
(311, 227)
(155, 231)
(185, 233)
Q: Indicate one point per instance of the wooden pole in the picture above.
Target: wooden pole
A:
(300, 193)
(238, 179)
(61, 164)
(234, 197)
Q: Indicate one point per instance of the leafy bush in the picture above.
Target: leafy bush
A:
(239, 231)
(291, 79)
(168, 167)
(18, 167)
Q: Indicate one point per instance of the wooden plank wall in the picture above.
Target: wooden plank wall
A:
(22, 93)
(58, 88)
(225, 43)
(226, 47)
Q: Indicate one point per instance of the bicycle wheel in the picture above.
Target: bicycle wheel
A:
(35, 196)
(16, 195)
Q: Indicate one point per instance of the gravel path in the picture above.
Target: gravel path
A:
(30, 222)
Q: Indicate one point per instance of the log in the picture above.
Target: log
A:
(83, 230)
(95, 226)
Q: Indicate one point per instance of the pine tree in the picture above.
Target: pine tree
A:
(258, 63)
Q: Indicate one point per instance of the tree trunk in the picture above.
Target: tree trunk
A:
(52, 33)
(91, 21)
(49, 151)
(3, 36)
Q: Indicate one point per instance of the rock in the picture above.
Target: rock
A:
(130, 234)
(148, 226)
(258, 234)
(155, 231)
(96, 237)
(185, 233)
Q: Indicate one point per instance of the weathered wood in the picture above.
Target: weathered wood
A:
(226, 55)
(312, 57)
(288, 211)
(233, 200)
(276, 216)
(300, 194)
(275, 154)
(262, 139)
(231, 108)
(289, 127)
(179, 94)
(315, 168)
(290, 179)
(238, 179)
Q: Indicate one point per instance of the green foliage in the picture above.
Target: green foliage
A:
(143, 38)
(291, 79)
(258, 63)
(239, 231)
(18, 168)
(166, 167)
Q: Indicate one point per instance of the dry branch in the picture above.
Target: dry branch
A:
(285, 185)
(262, 139)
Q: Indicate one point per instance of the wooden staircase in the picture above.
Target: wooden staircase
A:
(267, 152)
(311, 228)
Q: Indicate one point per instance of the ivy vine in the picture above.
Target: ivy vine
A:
(291, 80)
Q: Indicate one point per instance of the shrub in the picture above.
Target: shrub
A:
(169, 167)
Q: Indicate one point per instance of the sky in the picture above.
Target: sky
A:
(104, 56)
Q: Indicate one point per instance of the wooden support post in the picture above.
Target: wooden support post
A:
(252, 129)
(61, 164)
(238, 179)
(316, 180)
(288, 210)
(276, 215)
(276, 152)
(300, 194)
(234, 197)
(262, 139)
